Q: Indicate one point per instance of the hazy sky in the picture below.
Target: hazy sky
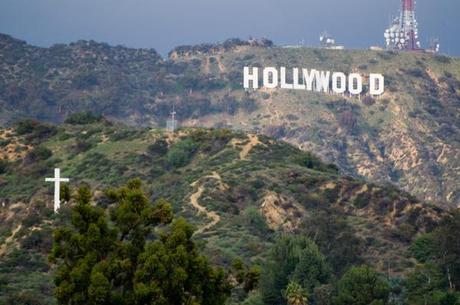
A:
(164, 24)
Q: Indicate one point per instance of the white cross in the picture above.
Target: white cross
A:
(57, 187)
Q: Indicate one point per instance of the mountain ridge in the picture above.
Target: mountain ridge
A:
(408, 137)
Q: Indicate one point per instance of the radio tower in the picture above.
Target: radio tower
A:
(171, 124)
(403, 32)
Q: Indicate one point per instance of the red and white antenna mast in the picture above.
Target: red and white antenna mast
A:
(403, 32)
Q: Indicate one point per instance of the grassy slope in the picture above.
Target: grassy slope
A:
(280, 181)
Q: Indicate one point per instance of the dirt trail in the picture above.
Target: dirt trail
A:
(207, 66)
(253, 141)
(195, 197)
(194, 201)
(10, 238)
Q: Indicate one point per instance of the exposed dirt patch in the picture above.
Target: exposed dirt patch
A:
(281, 212)
(14, 149)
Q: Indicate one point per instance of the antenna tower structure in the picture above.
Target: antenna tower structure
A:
(171, 124)
(403, 31)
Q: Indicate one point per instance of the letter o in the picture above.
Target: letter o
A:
(358, 89)
(274, 75)
(336, 76)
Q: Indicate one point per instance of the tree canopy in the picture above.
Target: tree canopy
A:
(141, 256)
(292, 258)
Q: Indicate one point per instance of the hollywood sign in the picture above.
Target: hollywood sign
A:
(313, 80)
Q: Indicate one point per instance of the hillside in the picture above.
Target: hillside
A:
(238, 189)
(408, 137)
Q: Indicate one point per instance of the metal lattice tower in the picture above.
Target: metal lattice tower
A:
(171, 124)
(403, 33)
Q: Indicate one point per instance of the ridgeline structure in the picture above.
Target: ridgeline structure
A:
(171, 124)
(403, 31)
(328, 42)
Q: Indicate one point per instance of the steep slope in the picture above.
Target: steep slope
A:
(409, 136)
(238, 190)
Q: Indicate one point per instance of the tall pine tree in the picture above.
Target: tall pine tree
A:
(126, 261)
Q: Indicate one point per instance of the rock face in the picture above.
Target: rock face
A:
(408, 137)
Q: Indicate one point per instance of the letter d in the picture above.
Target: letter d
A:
(376, 84)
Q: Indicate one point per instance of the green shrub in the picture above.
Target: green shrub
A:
(362, 200)
(82, 146)
(38, 240)
(180, 153)
(292, 258)
(362, 286)
(3, 166)
(255, 220)
(443, 59)
(35, 131)
(83, 118)
(26, 126)
(39, 153)
(160, 148)
(31, 220)
(405, 232)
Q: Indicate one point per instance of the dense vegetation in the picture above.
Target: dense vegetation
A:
(101, 263)
(291, 229)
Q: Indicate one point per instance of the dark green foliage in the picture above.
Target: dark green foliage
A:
(160, 148)
(101, 262)
(447, 249)
(422, 283)
(438, 279)
(362, 286)
(83, 118)
(81, 146)
(212, 141)
(416, 72)
(405, 232)
(292, 258)
(362, 200)
(309, 160)
(323, 294)
(34, 131)
(26, 126)
(3, 166)
(31, 220)
(38, 240)
(65, 192)
(23, 261)
(256, 221)
(39, 153)
(334, 237)
(171, 271)
(443, 59)
(426, 285)
(85, 80)
(24, 298)
(246, 277)
(181, 152)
